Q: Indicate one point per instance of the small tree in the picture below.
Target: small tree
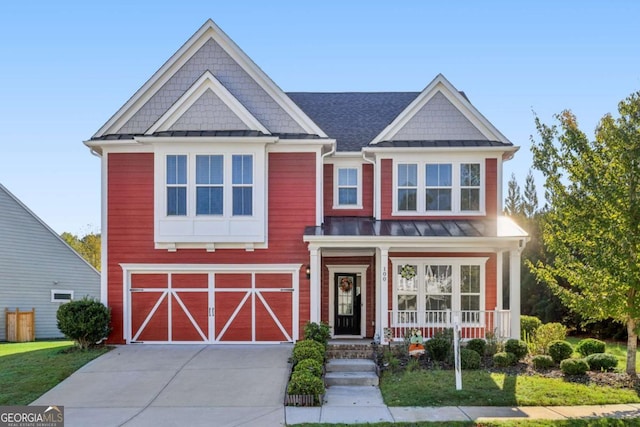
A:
(592, 226)
(86, 321)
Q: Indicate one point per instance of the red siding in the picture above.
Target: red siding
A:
(491, 187)
(367, 193)
(130, 233)
(386, 192)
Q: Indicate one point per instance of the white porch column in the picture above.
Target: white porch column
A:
(314, 286)
(514, 291)
(384, 292)
(499, 281)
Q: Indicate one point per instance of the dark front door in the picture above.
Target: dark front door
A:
(347, 305)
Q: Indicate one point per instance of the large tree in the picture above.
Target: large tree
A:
(513, 202)
(88, 246)
(592, 226)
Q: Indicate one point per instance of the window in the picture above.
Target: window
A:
(61, 296)
(347, 186)
(407, 187)
(242, 178)
(209, 185)
(445, 188)
(176, 185)
(469, 187)
(439, 287)
(438, 182)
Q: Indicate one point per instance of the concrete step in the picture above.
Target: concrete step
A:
(351, 379)
(351, 365)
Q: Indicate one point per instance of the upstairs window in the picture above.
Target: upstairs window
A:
(347, 186)
(176, 185)
(209, 185)
(470, 187)
(242, 184)
(439, 182)
(407, 187)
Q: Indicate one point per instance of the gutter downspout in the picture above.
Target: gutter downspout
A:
(375, 182)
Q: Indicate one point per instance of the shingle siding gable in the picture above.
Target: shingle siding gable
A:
(209, 112)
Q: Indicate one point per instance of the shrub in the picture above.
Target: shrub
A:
(516, 347)
(574, 366)
(601, 361)
(308, 349)
(528, 326)
(86, 321)
(309, 365)
(305, 382)
(589, 346)
(547, 333)
(319, 332)
(469, 359)
(440, 345)
(493, 345)
(503, 359)
(478, 345)
(560, 350)
(542, 361)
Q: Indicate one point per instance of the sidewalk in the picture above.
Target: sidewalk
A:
(352, 405)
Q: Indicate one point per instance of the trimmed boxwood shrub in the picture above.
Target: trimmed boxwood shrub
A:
(309, 365)
(319, 332)
(574, 366)
(469, 359)
(602, 362)
(528, 326)
(542, 361)
(440, 345)
(503, 359)
(516, 347)
(86, 321)
(478, 345)
(589, 346)
(304, 382)
(308, 349)
(560, 350)
(547, 333)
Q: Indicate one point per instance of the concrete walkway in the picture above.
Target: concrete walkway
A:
(177, 385)
(352, 405)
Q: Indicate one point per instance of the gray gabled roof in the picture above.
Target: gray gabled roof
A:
(352, 118)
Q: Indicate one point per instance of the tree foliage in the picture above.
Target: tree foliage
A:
(513, 202)
(88, 246)
(592, 226)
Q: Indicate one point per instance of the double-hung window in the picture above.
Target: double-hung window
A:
(347, 186)
(176, 185)
(209, 185)
(438, 188)
(242, 184)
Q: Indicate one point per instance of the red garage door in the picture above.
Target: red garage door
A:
(211, 307)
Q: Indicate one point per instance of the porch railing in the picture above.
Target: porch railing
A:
(474, 324)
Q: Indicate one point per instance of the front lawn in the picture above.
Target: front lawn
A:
(28, 370)
(482, 388)
(601, 422)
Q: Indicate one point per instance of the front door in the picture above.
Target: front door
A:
(347, 304)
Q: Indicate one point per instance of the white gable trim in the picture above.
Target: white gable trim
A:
(206, 82)
(208, 31)
(442, 85)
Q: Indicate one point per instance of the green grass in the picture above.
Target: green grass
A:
(480, 388)
(601, 422)
(28, 370)
(618, 349)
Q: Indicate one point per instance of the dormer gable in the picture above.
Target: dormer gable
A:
(207, 105)
(440, 113)
(210, 50)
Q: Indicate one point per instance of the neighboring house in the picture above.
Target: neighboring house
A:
(235, 212)
(38, 269)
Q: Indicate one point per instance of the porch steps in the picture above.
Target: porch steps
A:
(351, 372)
(349, 350)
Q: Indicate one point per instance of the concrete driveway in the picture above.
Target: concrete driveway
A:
(177, 385)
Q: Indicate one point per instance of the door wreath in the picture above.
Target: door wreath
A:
(346, 283)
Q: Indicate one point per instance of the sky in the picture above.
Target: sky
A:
(67, 66)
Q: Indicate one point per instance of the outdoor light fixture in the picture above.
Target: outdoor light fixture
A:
(308, 271)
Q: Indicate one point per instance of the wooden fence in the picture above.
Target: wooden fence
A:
(20, 325)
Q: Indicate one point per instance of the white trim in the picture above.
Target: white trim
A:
(209, 30)
(360, 270)
(359, 184)
(104, 225)
(441, 85)
(60, 291)
(206, 82)
(211, 336)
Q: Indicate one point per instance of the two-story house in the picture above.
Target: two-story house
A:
(236, 212)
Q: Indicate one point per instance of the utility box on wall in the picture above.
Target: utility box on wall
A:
(20, 325)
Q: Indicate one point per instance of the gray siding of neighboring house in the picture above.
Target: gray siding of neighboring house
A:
(32, 259)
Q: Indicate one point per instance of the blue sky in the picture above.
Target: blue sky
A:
(68, 66)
